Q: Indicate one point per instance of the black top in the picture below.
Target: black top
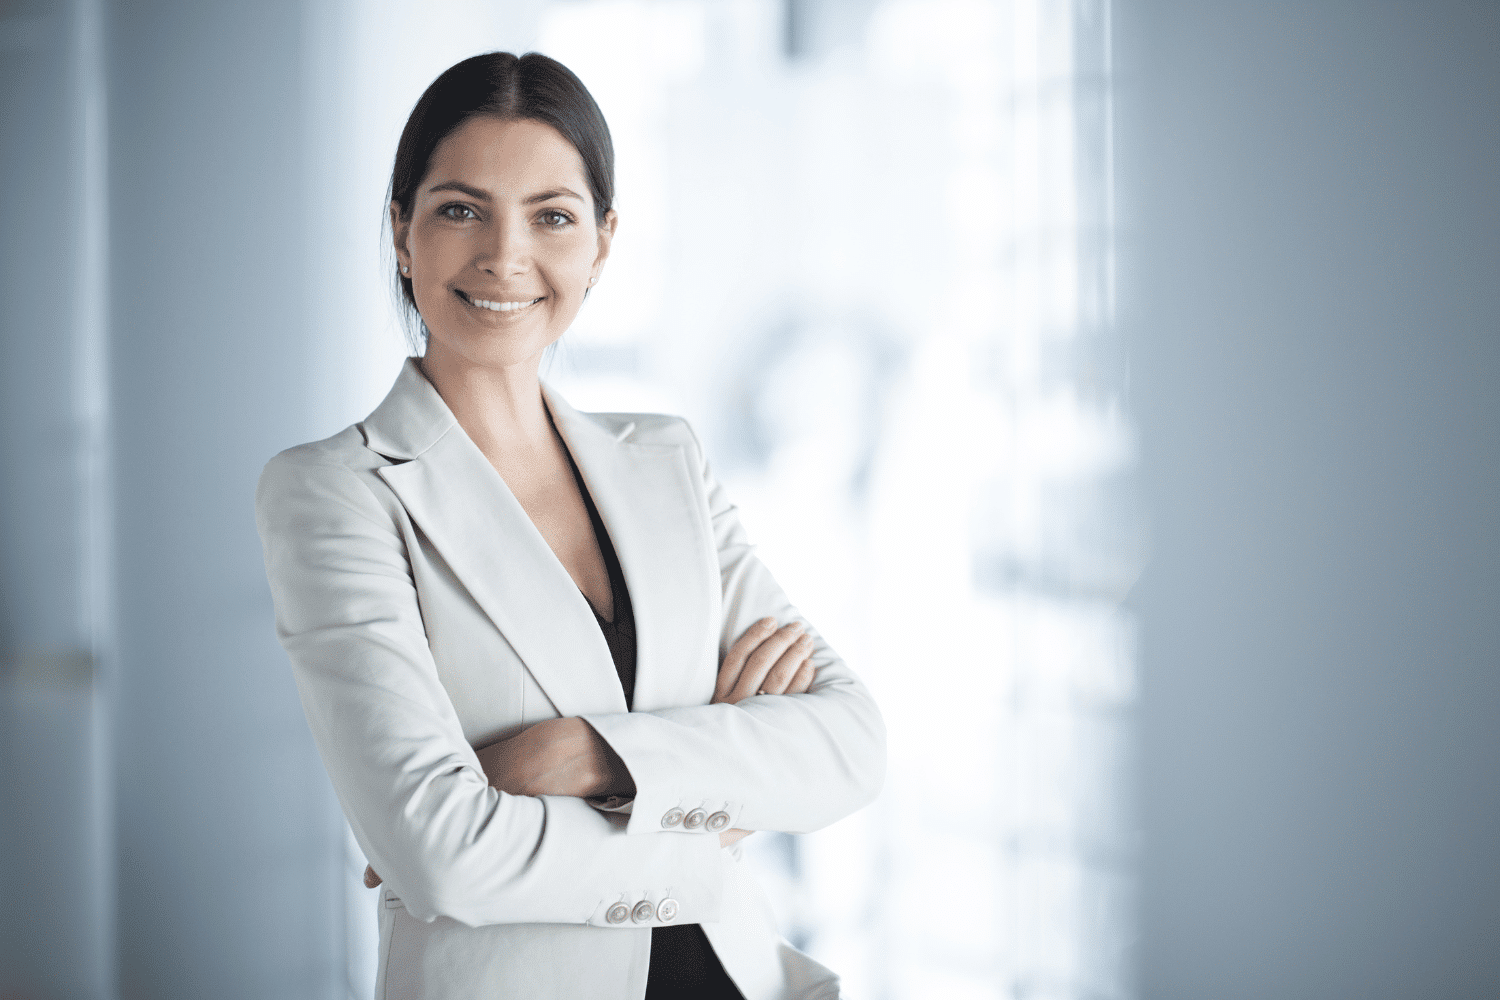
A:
(683, 963)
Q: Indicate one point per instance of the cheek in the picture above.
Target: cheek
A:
(432, 265)
(430, 250)
(577, 257)
(427, 286)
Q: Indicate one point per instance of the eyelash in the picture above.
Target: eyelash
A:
(450, 211)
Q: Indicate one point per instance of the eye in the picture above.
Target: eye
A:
(554, 218)
(458, 211)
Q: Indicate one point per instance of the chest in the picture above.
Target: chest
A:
(550, 491)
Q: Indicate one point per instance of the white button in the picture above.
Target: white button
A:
(671, 817)
(618, 913)
(666, 909)
(718, 821)
(643, 911)
(694, 819)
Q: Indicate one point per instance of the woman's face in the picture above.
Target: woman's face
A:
(501, 242)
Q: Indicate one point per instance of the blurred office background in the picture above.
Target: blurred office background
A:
(968, 298)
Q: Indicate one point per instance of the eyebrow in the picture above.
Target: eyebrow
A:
(554, 193)
(479, 194)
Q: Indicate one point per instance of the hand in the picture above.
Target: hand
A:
(766, 660)
(557, 757)
(726, 839)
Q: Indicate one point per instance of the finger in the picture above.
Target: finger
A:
(762, 659)
(371, 879)
(785, 668)
(734, 660)
(803, 679)
(760, 662)
(728, 838)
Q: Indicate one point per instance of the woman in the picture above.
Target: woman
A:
(537, 653)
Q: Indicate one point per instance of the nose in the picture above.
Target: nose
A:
(505, 247)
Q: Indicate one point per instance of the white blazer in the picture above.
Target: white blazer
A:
(425, 616)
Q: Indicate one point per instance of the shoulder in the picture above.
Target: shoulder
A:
(659, 429)
(340, 449)
(344, 450)
(337, 470)
(630, 429)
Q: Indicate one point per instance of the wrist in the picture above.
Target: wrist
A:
(614, 777)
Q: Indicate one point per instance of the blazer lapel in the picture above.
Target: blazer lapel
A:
(653, 507)
(461, 503)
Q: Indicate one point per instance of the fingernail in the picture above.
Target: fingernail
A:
(766, 622)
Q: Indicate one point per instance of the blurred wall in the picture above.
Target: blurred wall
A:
(228, 839)
(1310, 197)
(167, 827)
(56, 889)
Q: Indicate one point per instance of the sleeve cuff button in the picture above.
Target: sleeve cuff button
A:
(694, 819)
(671, 818)
(617, 913)
(666, 909)
(644, 911)
(718, 821)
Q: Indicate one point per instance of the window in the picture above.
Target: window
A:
(866, 248)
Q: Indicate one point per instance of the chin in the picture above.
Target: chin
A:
(494, 348)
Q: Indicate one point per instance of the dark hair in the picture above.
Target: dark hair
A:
(499, 85)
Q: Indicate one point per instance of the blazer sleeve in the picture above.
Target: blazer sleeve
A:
(411, 786)
(793, 763)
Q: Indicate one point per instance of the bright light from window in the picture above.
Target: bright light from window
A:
(872, 264)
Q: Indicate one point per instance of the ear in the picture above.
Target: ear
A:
(606, 237)
(400, 231)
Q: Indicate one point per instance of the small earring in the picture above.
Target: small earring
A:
(592, 280)
(405, 269)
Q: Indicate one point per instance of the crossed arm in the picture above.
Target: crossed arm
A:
(568, 757)
(419, 797)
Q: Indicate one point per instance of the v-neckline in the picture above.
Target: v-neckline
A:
(601, 542)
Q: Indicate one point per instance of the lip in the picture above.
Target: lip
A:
(499, 306)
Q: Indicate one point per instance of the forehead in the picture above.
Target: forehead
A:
(507, 157)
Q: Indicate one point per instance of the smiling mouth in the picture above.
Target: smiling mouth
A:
(498, 306)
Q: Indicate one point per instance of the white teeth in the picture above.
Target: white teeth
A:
(503, 306)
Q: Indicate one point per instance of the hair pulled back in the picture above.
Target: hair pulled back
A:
(499, 85)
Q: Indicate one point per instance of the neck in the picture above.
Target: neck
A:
(500, 408)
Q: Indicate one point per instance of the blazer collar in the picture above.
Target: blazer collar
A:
(650, 504)
(410, 419)
(656, 512)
